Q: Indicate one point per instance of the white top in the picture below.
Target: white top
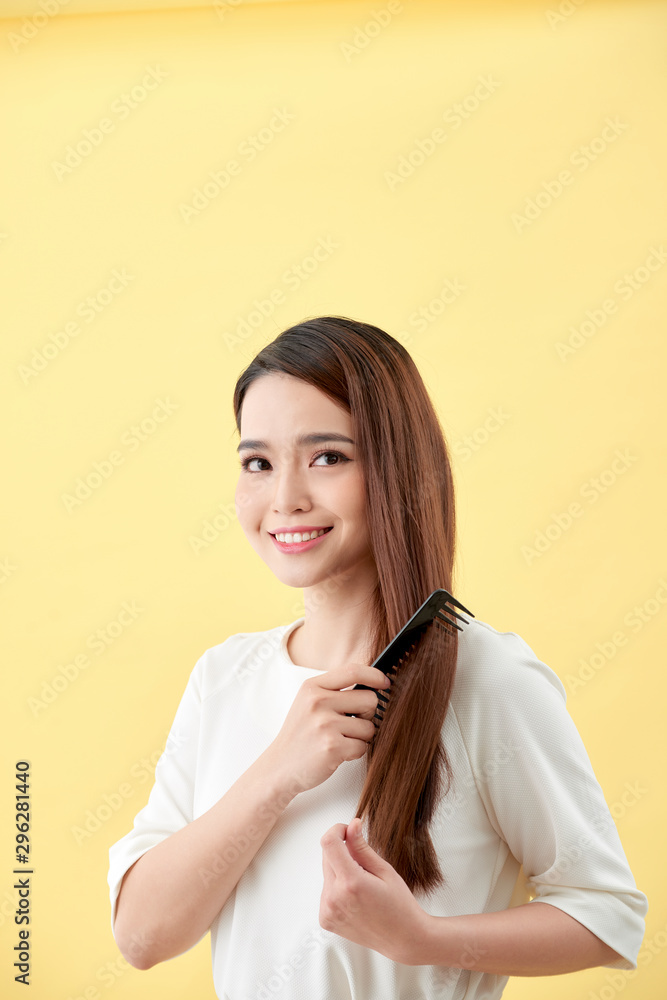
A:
(525, 810)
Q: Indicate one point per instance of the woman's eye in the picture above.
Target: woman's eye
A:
(246, 463)
(337, 455)
(328, 454)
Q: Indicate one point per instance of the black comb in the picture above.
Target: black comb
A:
(434, 611)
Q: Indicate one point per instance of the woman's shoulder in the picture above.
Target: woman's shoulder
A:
(500, 665)
(237, 657)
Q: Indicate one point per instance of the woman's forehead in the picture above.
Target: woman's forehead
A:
(288, 400)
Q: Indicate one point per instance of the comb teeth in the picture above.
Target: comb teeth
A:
(383, 696)
(435, 610)
(442, 619)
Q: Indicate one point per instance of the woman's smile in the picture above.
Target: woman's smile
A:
(296, 542)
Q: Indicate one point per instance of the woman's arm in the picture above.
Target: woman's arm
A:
(365, 900)
(172, 893)
(535, 939)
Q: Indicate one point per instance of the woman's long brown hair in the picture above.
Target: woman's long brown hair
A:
(410, 516)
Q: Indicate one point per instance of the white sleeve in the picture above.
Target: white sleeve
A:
(170, 803)
(544, 800)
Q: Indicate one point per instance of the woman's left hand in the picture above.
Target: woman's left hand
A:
(365, 900)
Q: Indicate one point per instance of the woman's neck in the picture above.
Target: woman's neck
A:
(336, 627)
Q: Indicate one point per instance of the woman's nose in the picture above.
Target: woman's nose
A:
(290, 488)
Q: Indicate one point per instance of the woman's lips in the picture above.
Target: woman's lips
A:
(299, 546)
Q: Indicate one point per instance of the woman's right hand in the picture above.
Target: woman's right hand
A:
(317, 735)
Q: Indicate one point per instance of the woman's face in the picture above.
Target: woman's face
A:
(291, 485)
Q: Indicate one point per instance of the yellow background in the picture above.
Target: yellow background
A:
(356, 111)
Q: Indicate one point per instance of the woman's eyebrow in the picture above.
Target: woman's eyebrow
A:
(303, 439)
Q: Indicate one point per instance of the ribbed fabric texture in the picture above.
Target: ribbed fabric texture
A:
(525, 811)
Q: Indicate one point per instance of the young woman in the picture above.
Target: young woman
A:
(330, 859)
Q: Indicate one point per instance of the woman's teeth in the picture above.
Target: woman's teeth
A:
(297, 536)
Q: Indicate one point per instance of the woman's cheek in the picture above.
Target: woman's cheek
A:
(242, 502)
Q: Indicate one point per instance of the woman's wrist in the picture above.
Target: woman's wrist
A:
(282, 784)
